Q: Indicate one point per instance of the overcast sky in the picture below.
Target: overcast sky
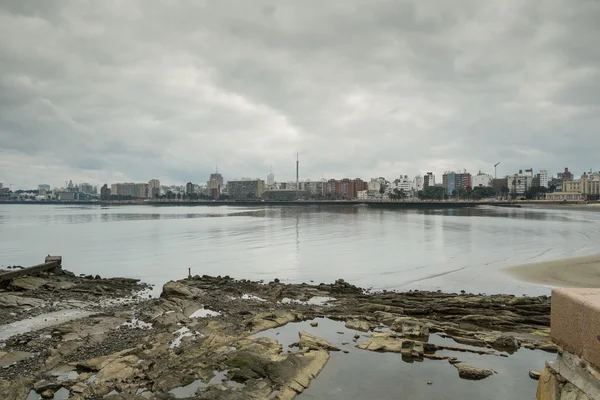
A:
(108, 91)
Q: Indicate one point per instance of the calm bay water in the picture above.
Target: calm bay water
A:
(449, 250)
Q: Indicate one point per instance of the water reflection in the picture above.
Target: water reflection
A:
(449, 250)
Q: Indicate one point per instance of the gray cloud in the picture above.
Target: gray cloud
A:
(108, 91)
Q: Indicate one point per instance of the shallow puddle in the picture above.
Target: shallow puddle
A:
(313, 301)
(219, 378)
(362, 374)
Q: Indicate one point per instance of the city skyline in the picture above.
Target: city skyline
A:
(131, 92)
(206, 182)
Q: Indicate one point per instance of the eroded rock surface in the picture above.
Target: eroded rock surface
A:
(206, 327)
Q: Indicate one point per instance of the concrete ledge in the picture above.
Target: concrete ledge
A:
(36, 269)
(575, 322)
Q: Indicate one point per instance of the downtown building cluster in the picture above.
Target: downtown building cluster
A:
(522, 184)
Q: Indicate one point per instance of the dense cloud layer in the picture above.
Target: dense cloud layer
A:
(107, 91)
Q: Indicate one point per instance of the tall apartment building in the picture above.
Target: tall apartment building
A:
(452, 181)
(105, 192)
(135, 190)
(270, 178)
(428, 180)
(312, 187)
(214, 185)
(417, 184)
(519, 184)
(245, 188)
(153, 188)
(543, 178)
(345, 188)
(189, 188)
(41, 186)
(217, 177)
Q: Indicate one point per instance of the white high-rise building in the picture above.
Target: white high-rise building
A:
(544, 178)
(481, 180)
(404, 184)
(417, 183)
(271, 179)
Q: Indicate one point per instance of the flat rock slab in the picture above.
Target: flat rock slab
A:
(315, 343)
(40, 322)
(16, 300)
(358, 325)
(7, 359)
(28, 283)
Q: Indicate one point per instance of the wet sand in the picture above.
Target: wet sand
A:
(571, 272)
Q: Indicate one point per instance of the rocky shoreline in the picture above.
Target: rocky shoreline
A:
(94, 338)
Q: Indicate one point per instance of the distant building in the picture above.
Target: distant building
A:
(417, 184)
(214, 186)
(217, 177)
(428, 180)
(41, 186)
(519, 184)
(283, 195)
(67, 195)
(344, 188)
(404, 184)
(246, 188)
(271, 178)
(70, 185)
(189, 188)
(585, 188)
(565, 176)
(481, 180)
(314, 188)
(153, 188)
(134, 190)
(452, 181)
(543, 175)
(105, 192)
(88, 188)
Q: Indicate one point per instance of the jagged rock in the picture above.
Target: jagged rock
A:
(410, 327)
(359, 325)
(314, 343)
(178, 289)
(96, 364)
(472, 373)
(548, 386)
(506, 342)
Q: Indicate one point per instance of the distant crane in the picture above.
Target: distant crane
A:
(495, 170)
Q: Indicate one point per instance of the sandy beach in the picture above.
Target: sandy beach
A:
(571, 272)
